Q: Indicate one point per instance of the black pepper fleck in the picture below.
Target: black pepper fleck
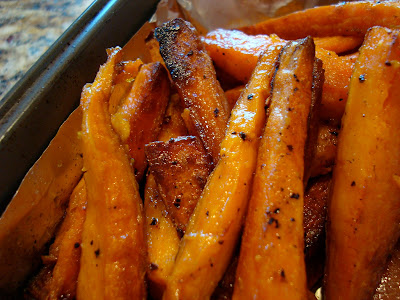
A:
(353, 183)
(190, 53)
(250, 96)
(154, 221)
(294, 195)
(153, 267)
(76, 245)
(388, 63)
(290, 147)
(361, 78)
(242, 135)
(216, 112)
(97, 252)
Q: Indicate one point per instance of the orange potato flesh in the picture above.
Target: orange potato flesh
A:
(138, 120)
(214, 228)
(274, 223)
(345, 18)
(123, 83)
(339, 44)
(113, 246)
(194, 75)
(237, 54)
(38, 206)
(366, 171)
(233, 95)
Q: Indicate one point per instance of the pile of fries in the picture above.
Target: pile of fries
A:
(259, 163)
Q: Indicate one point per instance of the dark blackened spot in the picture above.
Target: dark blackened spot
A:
(335, 133)
(250, 96)
(292, 219)
(290, 108)
(340, 99)
(234, 132)
(223, 53)
(97, 252)
(283, 273)
(361, 78)
(282, 189)
(220, 242)
(295, 89)
(153, 266)
(290, 147)
(91, 242)
(295, 77)
(34, 241)
(294, 195)
(211, 265)
(273, 220)
(76, 245)
(242, 135)
(174, 163)
(204, 77)
(277, 211)
(154, 221)
(216, 112)
(115, 207)
(388, 63)
(207, 213)
(353, 183)
(190, 53)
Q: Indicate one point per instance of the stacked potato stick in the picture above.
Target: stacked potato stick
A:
(239, 132)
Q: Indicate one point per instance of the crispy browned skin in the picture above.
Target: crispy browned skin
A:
(388, 288)
(224, 290)
(364, 208)
(273, 241)
(194, 75)
(31, 219)
(351, 18)
(313, 119)
(315, 206)
(113, 245)
(213, 230)
(62, 263)
(325, 154)
(181, 168)
(237, 53)
(139, 118)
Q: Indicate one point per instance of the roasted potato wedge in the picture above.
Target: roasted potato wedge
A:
(194, 75)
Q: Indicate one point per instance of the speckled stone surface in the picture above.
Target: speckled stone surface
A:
(27, 29)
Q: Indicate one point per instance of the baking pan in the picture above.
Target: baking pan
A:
(33, 110)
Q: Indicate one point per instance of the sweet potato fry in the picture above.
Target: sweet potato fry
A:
(113, 247)
(139, 118)
(194, 75)
(65, 253)
(181, 168)
(237, 54)
(162, 239)
(38, 206)
(213, 230)
(366, 172)
(274, 222)
(345, 18)
(233, 95)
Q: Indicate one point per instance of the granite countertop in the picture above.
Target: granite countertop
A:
(27, 29)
